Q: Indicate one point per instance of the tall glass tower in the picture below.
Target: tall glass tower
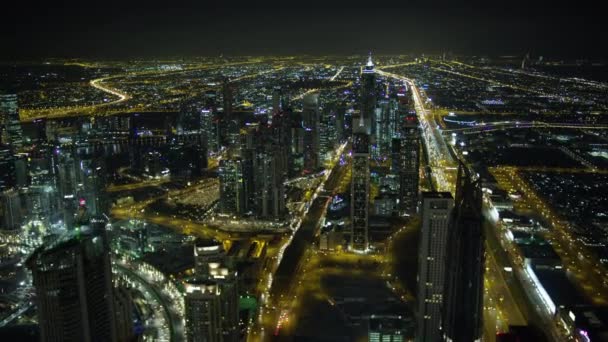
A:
(436, 213)
(360, 188)
(463, 294)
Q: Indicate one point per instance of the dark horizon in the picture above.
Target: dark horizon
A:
(148, 30)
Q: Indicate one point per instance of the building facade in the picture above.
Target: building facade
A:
(436, 213)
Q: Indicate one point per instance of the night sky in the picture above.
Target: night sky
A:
(113, 29)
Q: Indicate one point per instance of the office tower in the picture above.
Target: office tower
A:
(276, 101)
(212, 296)
(386, 123)
(310, 123)
(296, 145)
(21, 179)
(209, 129)
(381, 134)
(360, 188)
(91, 181)
(368, 95)
(282, 139)
(463, 295)
(269, 189)
(232, 190)
(230, 120)
(226, 279)
(8, 177)
(340, 122)
(12, 133)
(406, 164)
(67, 182)
(436, 213)
(327, 134)
(10, 209)
(202, 311)
(74, 293)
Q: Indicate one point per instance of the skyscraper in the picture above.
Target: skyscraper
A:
(368, 95)
(310, 123)
(327, 134)
(436, 213)
(230, 121)
(276, 100)
(462, 310)
(406, 164)
(74, 291)
(269, 173)
(232, 192)
(12, 133)
(209, 130)
(360, 188)
(212, 297)
(8, 177)
(202, 311)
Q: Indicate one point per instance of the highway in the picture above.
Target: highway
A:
(20, 311)
(282, 276)
(439, 156)
(171, 319)
(337, 74)
(502, 125)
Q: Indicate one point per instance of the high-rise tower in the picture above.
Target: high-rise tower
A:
(360, 188)
(462, 310)
(74, 290)
(368, 95)
(212, 297)
(406, 164)
(310, 123)
(232, 190)
(436, 213)
(12, 133)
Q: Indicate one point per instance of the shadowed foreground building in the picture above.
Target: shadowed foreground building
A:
(74, 292)
(462, 310)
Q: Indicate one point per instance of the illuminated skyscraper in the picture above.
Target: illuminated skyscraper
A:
(11, 213)
(8, 178)
(406, 164)
(230, 121)
(310, 123)
(202, 311)
(232, 191)
(74, 293)
(209, 129)
(12, 133)
(360, 188)
(436, 213)
(327, 134)
(462, 310)
(269, 189)
(368, 95)
(277, 101)
(212, 297)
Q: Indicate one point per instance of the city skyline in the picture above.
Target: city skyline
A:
(341, 172)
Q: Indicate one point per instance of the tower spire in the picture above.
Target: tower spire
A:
(370, 63)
